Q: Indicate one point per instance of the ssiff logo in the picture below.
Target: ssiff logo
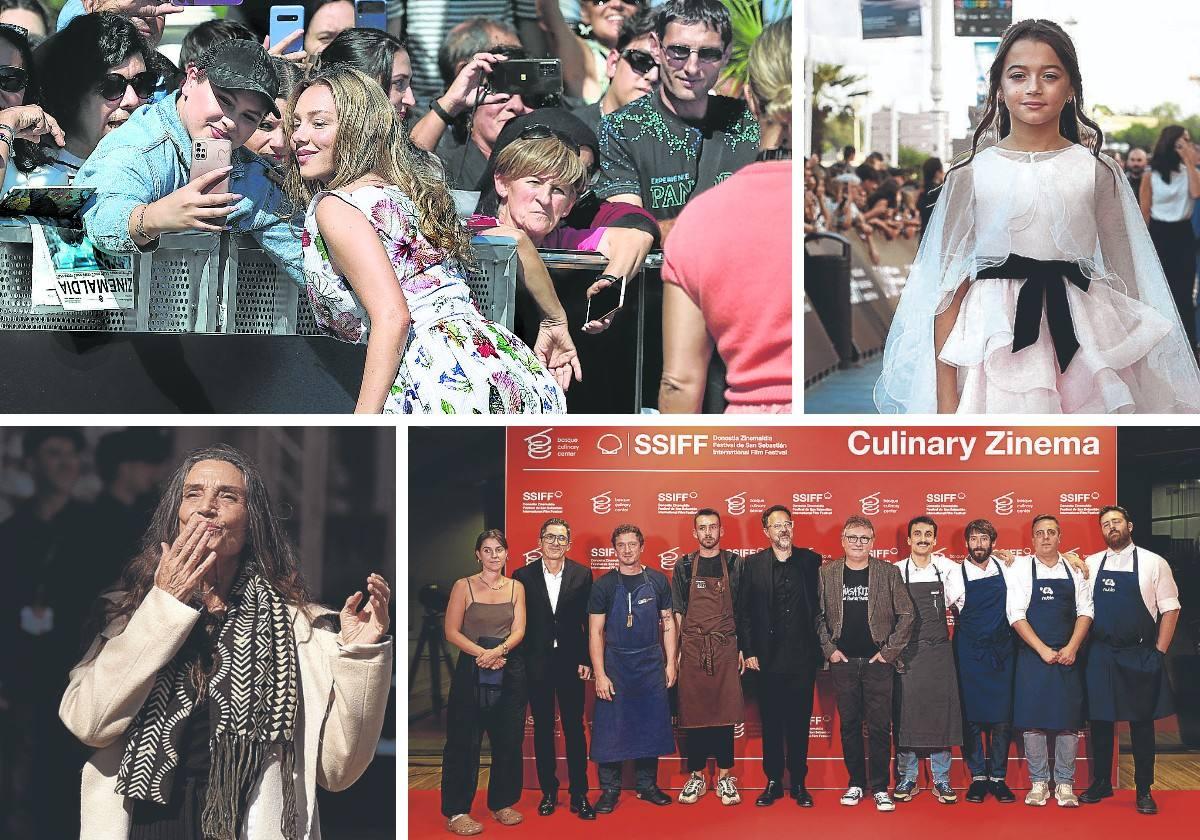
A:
(870, 504)
(609, 444)
(669, 558)
(540, 445)
(739, 730)
(532, 556)
(736, 504)
(1004, 504)
(602, 503)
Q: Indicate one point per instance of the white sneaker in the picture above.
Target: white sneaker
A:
(693, 789)
(1065, 796)
(852, 796)
(1039, 794)
(727, 790)
(883, 802)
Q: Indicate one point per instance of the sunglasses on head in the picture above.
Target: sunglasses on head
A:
(13, 79)
(681, 53)
(537, 131)
(112, 86)
(641, 61)
(508, 51)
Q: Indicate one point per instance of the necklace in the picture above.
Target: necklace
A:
(489, 586)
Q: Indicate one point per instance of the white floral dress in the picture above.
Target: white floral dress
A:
(455, 361)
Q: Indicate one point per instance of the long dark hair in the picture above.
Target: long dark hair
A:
(931, 167)
(369, 50)
(996, 118)
(25, 153)
(1166, 160)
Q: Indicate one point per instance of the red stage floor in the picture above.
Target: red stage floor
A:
(922, 817)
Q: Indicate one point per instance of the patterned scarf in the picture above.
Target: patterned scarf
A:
(253, 695)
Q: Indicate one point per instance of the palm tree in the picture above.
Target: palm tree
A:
(831, 95)
(746, 16)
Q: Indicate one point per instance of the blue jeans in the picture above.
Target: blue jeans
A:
(1066, 745)
(907, 767)
(994, 763)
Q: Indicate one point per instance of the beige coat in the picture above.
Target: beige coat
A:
(343, 697)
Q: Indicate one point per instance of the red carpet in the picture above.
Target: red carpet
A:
(922, 817)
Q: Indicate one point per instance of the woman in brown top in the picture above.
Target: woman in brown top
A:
(486, 621)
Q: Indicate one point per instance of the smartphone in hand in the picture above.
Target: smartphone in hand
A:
(606, 302)
(284, 21)
(208, 155)
(527, 77)
(370, 14)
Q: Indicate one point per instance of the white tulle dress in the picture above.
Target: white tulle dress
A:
(1064, 205)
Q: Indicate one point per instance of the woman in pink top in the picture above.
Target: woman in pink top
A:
(728, 262)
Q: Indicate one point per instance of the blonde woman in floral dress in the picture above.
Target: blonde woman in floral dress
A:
(386, 258)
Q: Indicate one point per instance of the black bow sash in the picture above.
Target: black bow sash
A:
(1045, 280)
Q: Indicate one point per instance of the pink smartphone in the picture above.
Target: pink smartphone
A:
(208, 155)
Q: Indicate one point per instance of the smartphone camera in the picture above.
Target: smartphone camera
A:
(200, 152)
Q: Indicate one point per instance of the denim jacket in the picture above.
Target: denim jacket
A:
(149, 157)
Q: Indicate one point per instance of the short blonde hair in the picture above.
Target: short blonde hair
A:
(770, 71)
(545, 157)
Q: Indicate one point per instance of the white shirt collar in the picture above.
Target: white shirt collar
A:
(546, 570)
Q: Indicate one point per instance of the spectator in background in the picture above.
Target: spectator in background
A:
(93, 77)
(846, 164)
(22, 121)
(1135, 167)
(651, 150)
(268, 141)
(381, 270)
(631, 69)
(30, 15)
(379, 55)
(585, 60)
(712, 268)
(148, 16)
(325, 19)
(203, 35)
(932, 176)
(881, 208)
(142, 176)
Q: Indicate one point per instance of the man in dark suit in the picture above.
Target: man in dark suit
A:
(557, 662)
(777, 608)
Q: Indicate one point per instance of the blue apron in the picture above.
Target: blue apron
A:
(984, 650)
(1049, 696)
(1126, 679)
(636, 723)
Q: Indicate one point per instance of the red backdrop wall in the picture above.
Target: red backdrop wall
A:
(598, 477)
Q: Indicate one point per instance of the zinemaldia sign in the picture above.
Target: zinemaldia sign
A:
(657, 478)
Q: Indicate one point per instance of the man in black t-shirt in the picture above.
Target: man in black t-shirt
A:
(661, 150)
(865, 620)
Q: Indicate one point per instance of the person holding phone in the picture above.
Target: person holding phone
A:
(142, 175)
(385, 257)
(586, 60)
(22, 122)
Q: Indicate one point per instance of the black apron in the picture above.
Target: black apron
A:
(1049, 696)
(927, 691)
(1126, 678)
(984, 650)
(636, 723)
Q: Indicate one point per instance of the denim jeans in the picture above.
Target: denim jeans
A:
(987, 759)
(645, 774)
(1066, 744)
(907, 766)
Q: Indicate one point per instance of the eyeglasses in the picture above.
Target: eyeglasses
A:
(641, 61)
(679, 53)
(559, 539)
(537, 131)
(112, 86)
(13, 79)
(780, 526)
(857, 540)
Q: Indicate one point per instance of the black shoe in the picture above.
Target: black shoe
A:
(607, 801)
(1096, 791)
(548, 804)
(654, 796)
(978, 790)
(581, 806)
(774, 790)
(1146, 804)
(802, 796)
(1001, 792)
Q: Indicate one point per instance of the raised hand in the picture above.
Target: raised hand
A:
(370, 624)
(183, 565)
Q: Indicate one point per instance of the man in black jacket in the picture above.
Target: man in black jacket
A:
(557, 663)
(777, 608)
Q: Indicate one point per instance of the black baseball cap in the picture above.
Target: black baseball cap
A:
(241, 65)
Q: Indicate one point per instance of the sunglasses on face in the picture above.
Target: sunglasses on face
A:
(538, 131)
(13, 79)
(641, 61)
(681, 52)
(112, 86)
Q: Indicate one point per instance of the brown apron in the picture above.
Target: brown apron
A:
(710, 688)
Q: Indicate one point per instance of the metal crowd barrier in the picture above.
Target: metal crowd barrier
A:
(161, 355)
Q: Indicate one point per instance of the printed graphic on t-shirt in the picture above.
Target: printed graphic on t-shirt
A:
(854, 593)
(671, 190)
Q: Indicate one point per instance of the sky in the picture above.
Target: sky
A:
(1133, 54)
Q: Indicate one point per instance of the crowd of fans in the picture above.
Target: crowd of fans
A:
(644, 123)
(869, 200)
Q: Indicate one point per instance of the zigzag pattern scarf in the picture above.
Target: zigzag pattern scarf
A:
(253, 692)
